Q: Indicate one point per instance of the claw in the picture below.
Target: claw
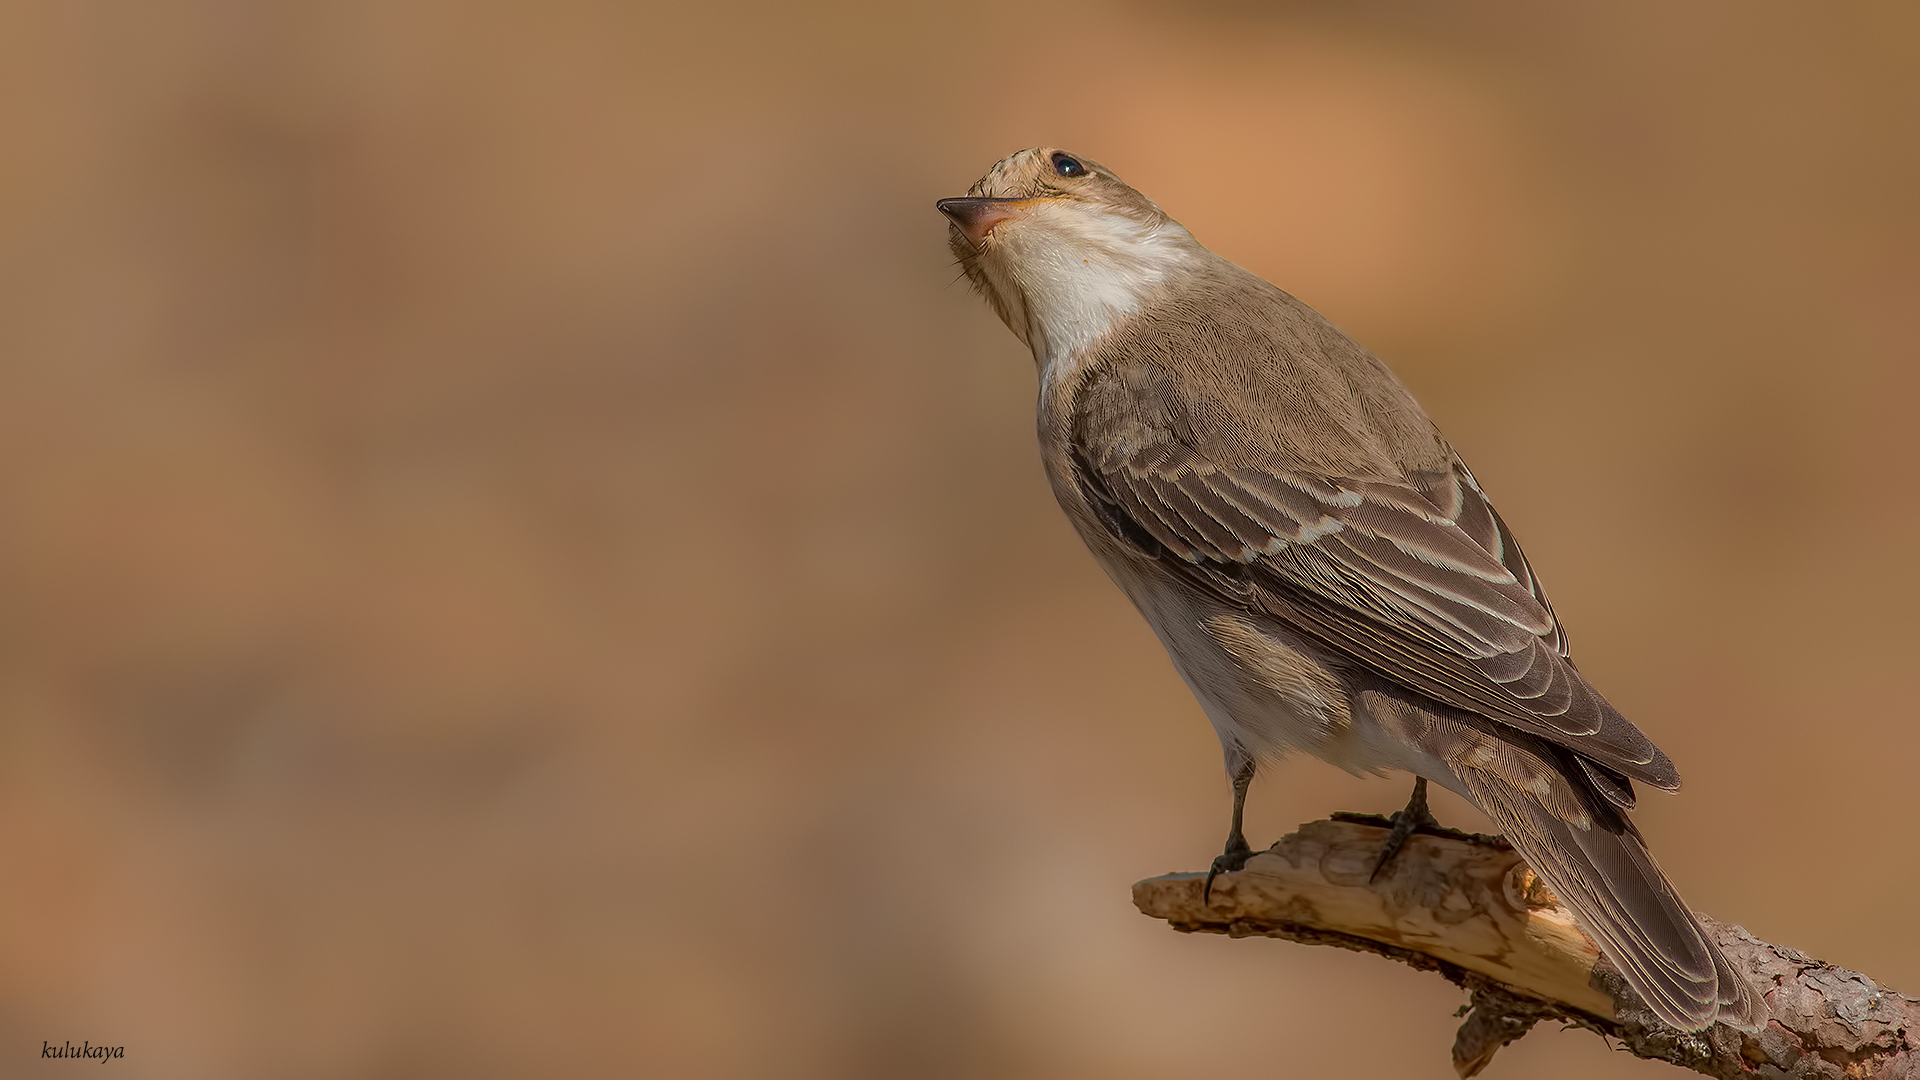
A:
(1405, 823)
(1237, 851)
(1229, 861)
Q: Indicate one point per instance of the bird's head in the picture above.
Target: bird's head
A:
(1062, 248)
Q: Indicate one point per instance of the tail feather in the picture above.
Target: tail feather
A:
(1603, 872)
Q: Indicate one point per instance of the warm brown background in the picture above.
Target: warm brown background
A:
(517, 559)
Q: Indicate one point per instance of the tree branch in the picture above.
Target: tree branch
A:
(1466, 906)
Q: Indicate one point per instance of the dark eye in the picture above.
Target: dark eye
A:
(1067, 165)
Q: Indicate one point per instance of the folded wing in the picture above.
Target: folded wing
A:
(1415, 578)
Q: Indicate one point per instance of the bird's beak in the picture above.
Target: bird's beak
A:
(977, 217)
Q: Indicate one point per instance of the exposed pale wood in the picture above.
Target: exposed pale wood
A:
(1468, 907)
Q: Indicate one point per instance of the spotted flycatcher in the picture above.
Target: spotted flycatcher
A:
(1323, 570)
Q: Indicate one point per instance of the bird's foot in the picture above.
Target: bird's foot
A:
(1229, 861)
(1415, 818)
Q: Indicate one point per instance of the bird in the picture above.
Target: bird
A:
(1322, 568)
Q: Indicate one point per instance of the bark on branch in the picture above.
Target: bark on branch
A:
(1466, 906)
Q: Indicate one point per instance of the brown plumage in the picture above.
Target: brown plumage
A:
(1322, 567)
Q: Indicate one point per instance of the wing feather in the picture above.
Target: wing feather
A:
(1416, 579)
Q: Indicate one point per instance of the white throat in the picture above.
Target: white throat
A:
(1074, 272)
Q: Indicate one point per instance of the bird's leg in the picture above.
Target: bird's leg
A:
(1237, 851)
(1405, 823)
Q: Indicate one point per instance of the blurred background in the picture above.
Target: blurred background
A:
(518, 558)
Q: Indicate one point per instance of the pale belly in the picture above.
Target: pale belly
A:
(1264, 693)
